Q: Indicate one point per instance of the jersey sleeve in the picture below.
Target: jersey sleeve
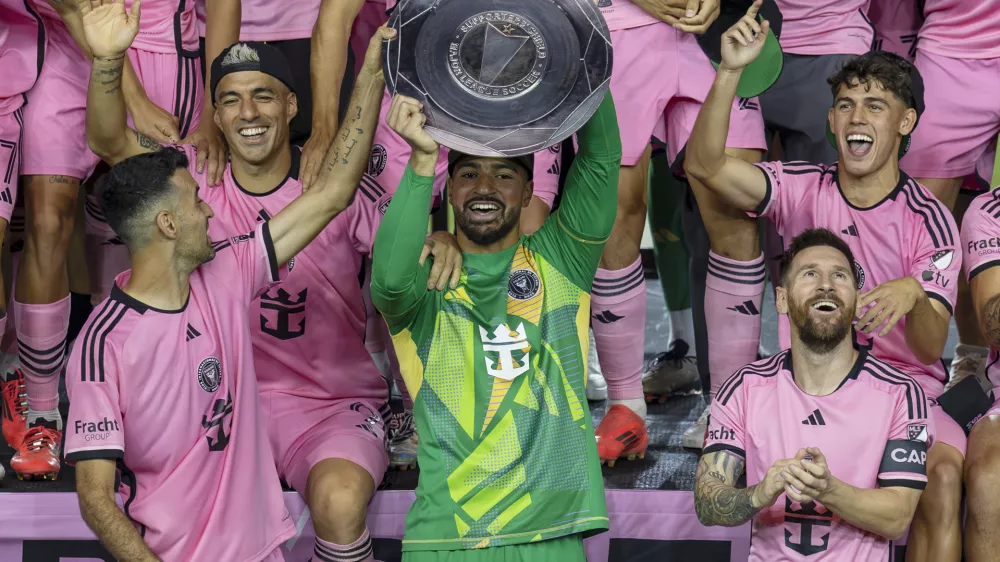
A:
(937, 259)
(573, 238)
(785, 190)
(94, 428)
(981, 234)
(252, 257)
(727, 418)
(904, 462)
(365, 214)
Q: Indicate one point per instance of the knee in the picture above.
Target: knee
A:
(944, 488)
(51, 219)
(338, 499)
(982, 485)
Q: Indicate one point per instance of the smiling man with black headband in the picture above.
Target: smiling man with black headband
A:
(904, 240)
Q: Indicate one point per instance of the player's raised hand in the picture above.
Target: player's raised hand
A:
(809, 478)
(772, 485)
(742, 43)
(447, 268)
(108, 28)
(406, 117)
(892, 301)
(373, 56)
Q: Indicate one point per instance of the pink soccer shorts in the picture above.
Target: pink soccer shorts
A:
(951, 137)
(660, 80)
(55, 132)
(10, 160)
(174, 83)
(304, 431)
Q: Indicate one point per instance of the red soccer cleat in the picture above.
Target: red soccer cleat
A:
(621, 434)
(38, 456)
(14, 409)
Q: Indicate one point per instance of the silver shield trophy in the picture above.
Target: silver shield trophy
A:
(500, 77)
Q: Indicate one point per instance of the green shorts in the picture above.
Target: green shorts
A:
(562, 549)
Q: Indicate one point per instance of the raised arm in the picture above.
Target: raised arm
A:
(109, 32)
(327, 64)
(95, 490)
(398, 280)
(301, 221)
(742, 185)
(591, 197)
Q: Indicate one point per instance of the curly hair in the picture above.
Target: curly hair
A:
(889, 70)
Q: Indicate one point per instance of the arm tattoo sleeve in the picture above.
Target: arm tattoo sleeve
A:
(716, 500)
(990, 318)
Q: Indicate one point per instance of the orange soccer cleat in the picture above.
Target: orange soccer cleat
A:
(14, 409)
(621, 434)
(38, 456)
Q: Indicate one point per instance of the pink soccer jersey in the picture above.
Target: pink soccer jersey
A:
(22, 46)
(874, 431)
(623, 14)
(961, 29)
(981, 240)
(172, 397)
(909, 233)
(308, 331)
(825, 27)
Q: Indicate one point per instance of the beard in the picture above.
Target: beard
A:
(821, 335)
(484, 234)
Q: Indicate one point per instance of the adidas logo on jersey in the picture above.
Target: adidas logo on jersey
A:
(748, 103)
(607, 317)
(748, 308)
(850, 231)
(192, 333)
(815, 418)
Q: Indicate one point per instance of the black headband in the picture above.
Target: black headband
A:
(253, 56)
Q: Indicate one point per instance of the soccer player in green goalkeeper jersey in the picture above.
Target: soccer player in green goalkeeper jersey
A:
(497, 364)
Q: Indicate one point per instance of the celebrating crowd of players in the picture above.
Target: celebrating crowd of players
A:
(193, 215)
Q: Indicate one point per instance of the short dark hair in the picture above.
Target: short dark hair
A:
(891, 71)
(812, 238)
(135, 184)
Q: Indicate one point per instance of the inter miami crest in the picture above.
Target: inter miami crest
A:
(377, 160)
(523, 284)
(210, 374)
(859, 274)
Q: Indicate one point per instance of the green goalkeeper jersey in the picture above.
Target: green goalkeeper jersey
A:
(497, 366)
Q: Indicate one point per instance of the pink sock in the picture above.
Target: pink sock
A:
(41, 345)
(358, 551)
(107, 255)
(618, 312)
(733, 294)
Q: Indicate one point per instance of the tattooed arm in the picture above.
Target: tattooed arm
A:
(985, 287)
(302, 220)
(718, 501)
(109, 31)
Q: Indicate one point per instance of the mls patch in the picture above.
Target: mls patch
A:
(523, 284)
(210, 374)
(384, 205)
(917, 432)
(942, 259)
